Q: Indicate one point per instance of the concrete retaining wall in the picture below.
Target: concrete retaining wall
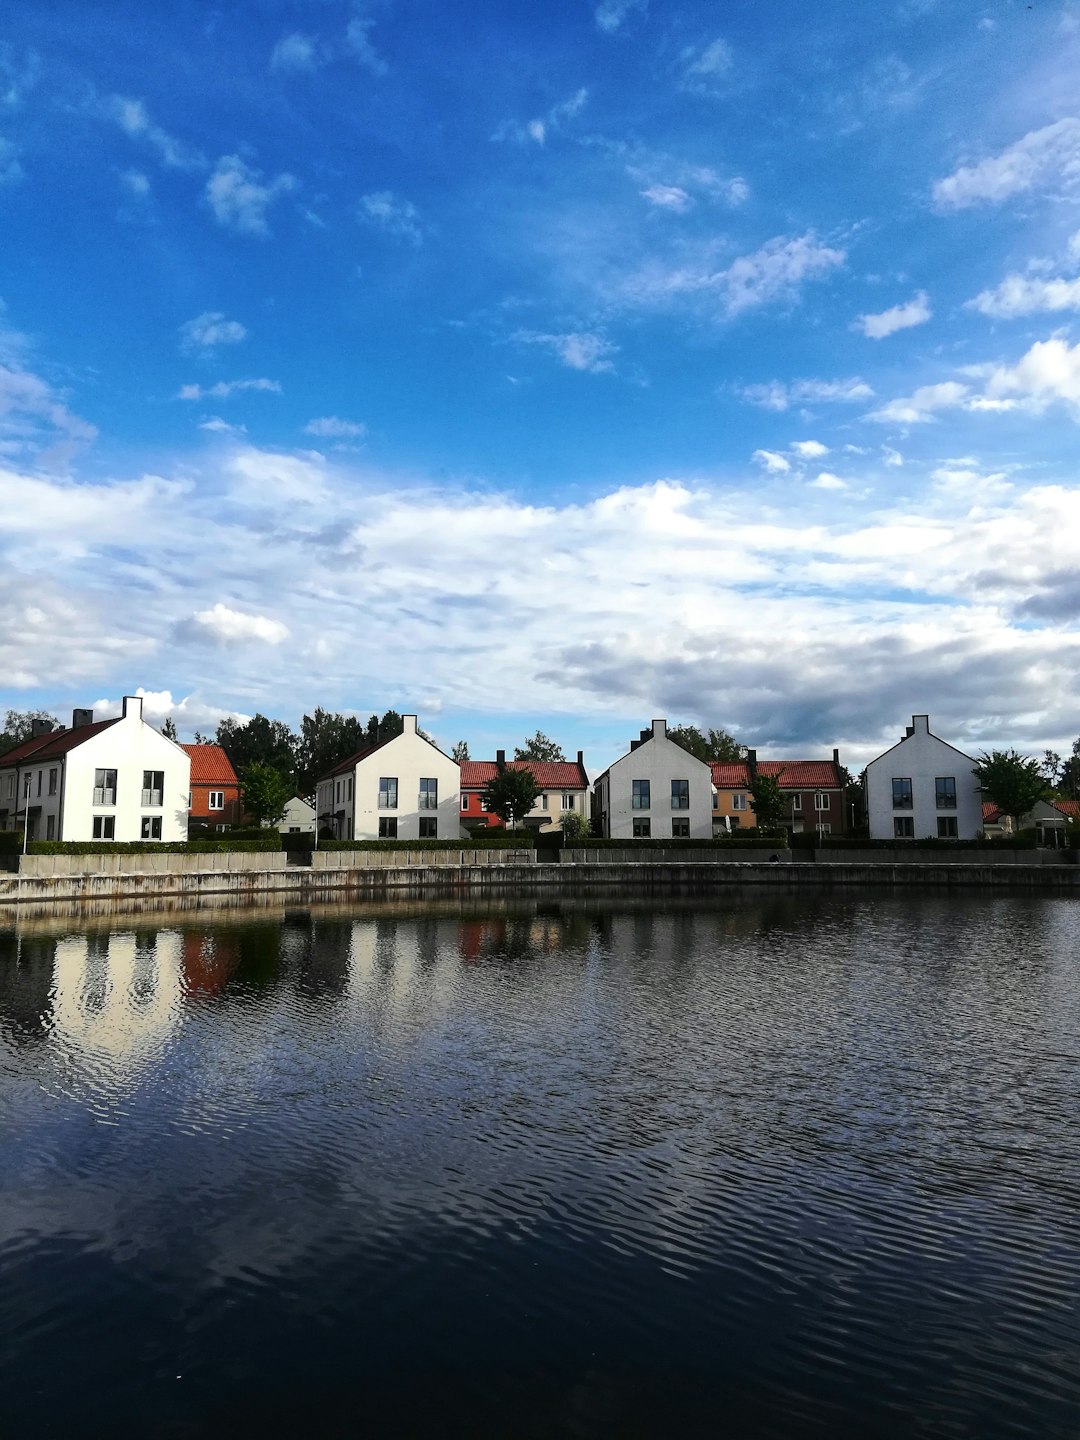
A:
(934, 855)
(637, 853)
(426, 859)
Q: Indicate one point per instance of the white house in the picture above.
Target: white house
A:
(114, 780)
(399, 789)
(299, 817)
(658, 791)
(923, 787)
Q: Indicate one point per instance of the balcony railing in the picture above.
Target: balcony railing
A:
(427, 802)
(104, 796)
(152, 799)
(903, 802)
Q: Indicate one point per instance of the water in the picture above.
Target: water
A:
(772, 1166)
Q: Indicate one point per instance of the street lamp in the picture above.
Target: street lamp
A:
(26, 814)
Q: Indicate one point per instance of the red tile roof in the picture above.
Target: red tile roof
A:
(793, 774)
(210, 765)
(549, 774)
(1068, 807)
(730, 774)
(990, 812)
(53, 745)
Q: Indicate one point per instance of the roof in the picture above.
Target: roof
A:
(210, 765)
(548, 774)
(1068, 807)
(54, 744)
(353, 760)
(792, 774)
(990, 812)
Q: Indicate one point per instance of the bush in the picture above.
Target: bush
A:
(10, 842)
(151, 847)
(503, 841)
(745, 839)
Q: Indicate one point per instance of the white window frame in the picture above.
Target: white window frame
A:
(388, 792)
(215, 800)
(568, 802)
(103, 823)
(149, 824)
(740, 801)
(153, 795)
(796, 803)
(821, 801)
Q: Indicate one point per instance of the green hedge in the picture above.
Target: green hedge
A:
(809, 841)
(503, 842)
(726, 842)
(150, 847)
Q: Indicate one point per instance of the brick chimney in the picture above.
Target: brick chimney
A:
(80, 718)
(500, 759)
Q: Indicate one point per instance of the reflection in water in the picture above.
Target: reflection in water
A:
(759, 1165)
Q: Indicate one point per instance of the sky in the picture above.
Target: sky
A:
(551, 366)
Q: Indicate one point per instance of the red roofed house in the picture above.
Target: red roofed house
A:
(111, 780)
(215, 790)
(564, 785)
(813, 790)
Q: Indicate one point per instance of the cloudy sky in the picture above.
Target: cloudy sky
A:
(556, 365)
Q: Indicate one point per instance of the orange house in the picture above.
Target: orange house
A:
(215, 790)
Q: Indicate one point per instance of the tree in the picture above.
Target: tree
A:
(326, 738)
(1051, 768)
(168, 729)
(258, 741)
(710, 745)
(575, 827)
(1014, 784)
(511, 794)
(387, 728)
(19, 726)
(460, 751)
(201, 739)
(266, 792)
(769, 802)
(539, 747)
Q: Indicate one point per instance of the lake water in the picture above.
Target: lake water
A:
(773, 1166)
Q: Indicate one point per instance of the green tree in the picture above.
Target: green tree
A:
(266, 792)
(1051, 767)
(511, 794)
(769, 803)
(326, 738)
(258, 741)
(19, 726)
(1014, 784)
(708, 745)
(168, 729)
(387, 728)
(539, 747)
(460, 751)
(575, 827)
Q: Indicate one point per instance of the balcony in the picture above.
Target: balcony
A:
(427, 802)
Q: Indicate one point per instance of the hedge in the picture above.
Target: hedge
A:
(808, 840)
(150, 847)
(726, 842)
(504, 842)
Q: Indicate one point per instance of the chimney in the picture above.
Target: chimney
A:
(581, 759)
(920, 725)
(909, 732)
(40, 727)
(500, 759)
(751, 764)
(132, 707)
(81, 717)
(659, 729)
(634, 744)
(408, 724)
(836, 758)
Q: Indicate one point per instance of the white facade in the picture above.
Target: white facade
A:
(404, 789)
(923, 788)
(299, 817)
(124, 781)
(658, 791)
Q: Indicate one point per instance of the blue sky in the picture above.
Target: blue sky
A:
(560, 365)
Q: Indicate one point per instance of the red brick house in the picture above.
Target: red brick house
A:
(813, 791)
(564, 785)
(215, 790)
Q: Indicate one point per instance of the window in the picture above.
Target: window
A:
(104, 789)
(901, 792)
(153, 786)
(823, 827)
(348, 784)
(464, 802)
(429, 794)
(568, 802)
(387, 827)
(50, 828)
(639, 791)
(151, 827)
(104, 827)
(903, 826)
(337, 791)
(821, 801)
(680, 829)
(11, 787)
(217, 800)
(946, 827)
(52, 785)
(541, 803)
(680, 794)
(945, 792)
(485, 806)
(39, 775)
(734, 821)
(294, 829)
(796, 804)
(429, 827)
(387, 792)
(739, 802)
(642, 828)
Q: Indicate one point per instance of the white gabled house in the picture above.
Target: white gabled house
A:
(399, 789)
(110, 780)
(923, 788)
(658, 791)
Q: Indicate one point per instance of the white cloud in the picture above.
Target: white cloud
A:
(809, 449)
(217, 426)
(1042, 157)
(611, 14)
(923, 405)
(209, 329)
(135, 183)
(240, 198)
(827, 481)
(11, 171)
(224, 388)
(773, 462)
(668, 197)
(134, 119)
(1027, 295)
(1049, 371)
(35, 420)
(329, 427)
(542, 127)
(777, 396)
(388, 212)
(891, 457)
(899, 317)
(706, 70)
(296, 52)
(577, 349)
(232, 626)
(18, 74)
(358, 41)
(773, 273)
